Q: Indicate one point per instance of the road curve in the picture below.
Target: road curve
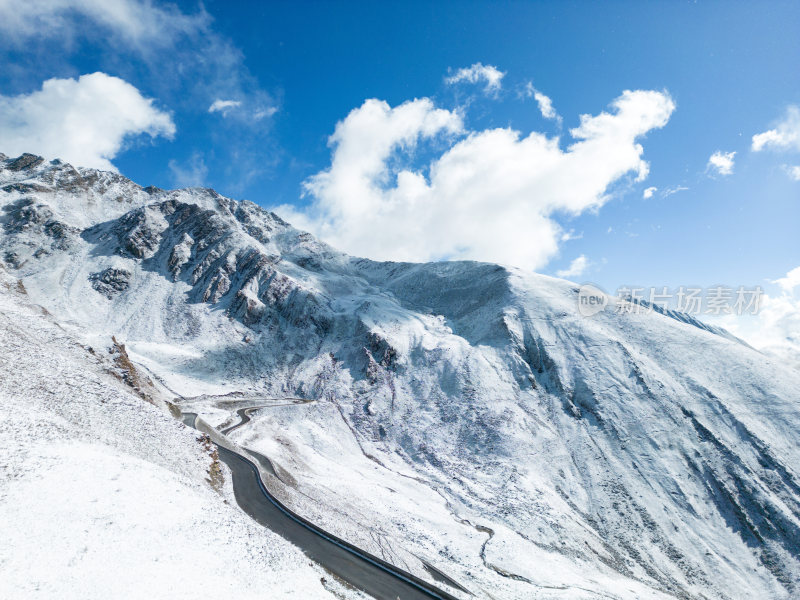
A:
(359, 568)
(244, 413)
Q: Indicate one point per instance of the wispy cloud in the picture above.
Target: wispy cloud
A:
(492, 76)
(193, 172)
(144, 25)
(790, 281)
(648, 193)
(670, 191)
(784, 136)
(264, 112)
(575, 268)
(544, 102)
(793, 171)
(223, 106)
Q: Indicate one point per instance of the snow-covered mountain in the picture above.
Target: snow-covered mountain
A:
(462, 414)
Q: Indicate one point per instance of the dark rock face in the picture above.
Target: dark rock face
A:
(26, 161)
(139, 234)
(25, 215)
(23, 188)
(14, 260)
(208, 251)
(111, 282)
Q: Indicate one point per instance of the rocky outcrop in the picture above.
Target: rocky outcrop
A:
(26, 161)
(111, 282)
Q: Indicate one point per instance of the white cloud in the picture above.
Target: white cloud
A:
(350, 189)
(575, 269)
(721, 162)
(223, 106)
(490, 196)
(648, 193)
(476, 73)
(785, 135)
(84, 121)
(544, 102)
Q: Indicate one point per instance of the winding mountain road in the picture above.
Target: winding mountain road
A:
(244, 413)
(359, 568)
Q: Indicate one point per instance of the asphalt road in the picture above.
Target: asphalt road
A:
(244, 416)
(362, 570)
(244, 413)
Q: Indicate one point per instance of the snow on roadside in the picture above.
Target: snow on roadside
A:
(102, 495)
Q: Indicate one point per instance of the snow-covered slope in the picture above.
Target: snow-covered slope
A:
(464, 413)
(103, 495)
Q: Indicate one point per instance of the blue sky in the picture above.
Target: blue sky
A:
(298, 69)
